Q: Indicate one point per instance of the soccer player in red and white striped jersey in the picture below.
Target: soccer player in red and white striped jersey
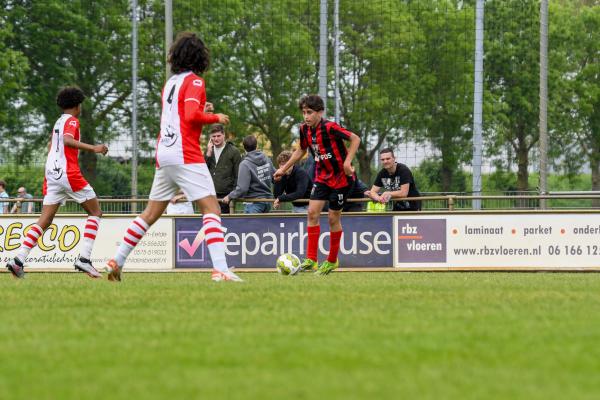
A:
(334, 178)
(179, 160)
(63, 179)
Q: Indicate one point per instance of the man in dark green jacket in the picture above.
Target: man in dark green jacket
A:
(223, 160)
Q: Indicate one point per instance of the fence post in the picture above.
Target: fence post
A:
(450, 203)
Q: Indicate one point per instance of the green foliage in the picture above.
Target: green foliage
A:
(406, 75)
(428, 177)
(86, 43)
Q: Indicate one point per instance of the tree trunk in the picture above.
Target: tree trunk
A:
(364, 164)
(522, 171)
(447, 172)
(595, 167)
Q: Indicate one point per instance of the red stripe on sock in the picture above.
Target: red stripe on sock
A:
(91, 227)
(36, 229)
(213, 230)
(134, 234)
(89, 235)
(129, 242)
(140, 225)
(33, 238)
(206, 220)
(214, 240)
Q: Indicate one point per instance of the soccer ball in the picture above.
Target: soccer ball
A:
(287, 263)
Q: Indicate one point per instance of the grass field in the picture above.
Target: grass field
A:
(345, 336)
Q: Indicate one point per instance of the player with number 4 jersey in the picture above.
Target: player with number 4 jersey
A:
(179, 160)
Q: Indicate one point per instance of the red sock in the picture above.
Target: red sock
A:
(334, 246)
(313, 241)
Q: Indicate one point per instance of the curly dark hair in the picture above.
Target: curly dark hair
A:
(312, 101)
(69, 97)
(188, 53)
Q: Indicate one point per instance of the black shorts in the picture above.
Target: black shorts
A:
(336, 197)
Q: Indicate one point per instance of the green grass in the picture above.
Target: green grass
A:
(344, 336)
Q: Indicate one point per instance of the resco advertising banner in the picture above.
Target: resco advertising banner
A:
(518, 241)
(58, 248)
(253, 242)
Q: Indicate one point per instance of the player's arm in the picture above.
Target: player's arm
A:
(352, 149)
(70, 141)
(194, 113)
(296, 156)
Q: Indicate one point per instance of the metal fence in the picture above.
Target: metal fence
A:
(430, 202)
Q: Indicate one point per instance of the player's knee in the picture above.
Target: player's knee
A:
(313, 215)
(96, 214)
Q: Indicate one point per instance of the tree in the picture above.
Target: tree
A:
(579, 112)
(13, 70)
(377, 79)
(263, 60)
(85, 43)
(444, 57)
(511, 69)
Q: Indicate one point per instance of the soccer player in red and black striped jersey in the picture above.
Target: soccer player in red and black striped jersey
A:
(334, 178)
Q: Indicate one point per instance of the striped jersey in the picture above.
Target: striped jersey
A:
(179, 138)
(62, 164)
(326, 144)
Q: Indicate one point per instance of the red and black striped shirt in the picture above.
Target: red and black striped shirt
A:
(326, 143)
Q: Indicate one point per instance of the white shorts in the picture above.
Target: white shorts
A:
(56, 194)
(193, 179)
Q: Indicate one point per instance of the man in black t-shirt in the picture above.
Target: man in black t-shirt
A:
(397, 182)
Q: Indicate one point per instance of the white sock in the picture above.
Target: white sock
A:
(89, 236)
(215, 241)
(30, 241)
(133, 235)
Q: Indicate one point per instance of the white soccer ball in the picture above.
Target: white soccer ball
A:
(287, 263)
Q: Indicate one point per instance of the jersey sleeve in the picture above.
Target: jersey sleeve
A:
(195, 91)
(194, 100)
(337, 131)
(72, 128)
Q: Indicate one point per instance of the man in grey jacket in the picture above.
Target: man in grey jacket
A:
(254, 179)
(223, 161)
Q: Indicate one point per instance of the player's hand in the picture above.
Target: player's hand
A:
(278, 174)
(348, 168)
(276, 204)
(226, 200)
(223, 119)
(209, 107)
(101, 148)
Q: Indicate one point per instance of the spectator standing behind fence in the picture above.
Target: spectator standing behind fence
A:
(294, 185)
(3, 194)
(254, 179)
(22, 206)
(397, 181)
(223, 160)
